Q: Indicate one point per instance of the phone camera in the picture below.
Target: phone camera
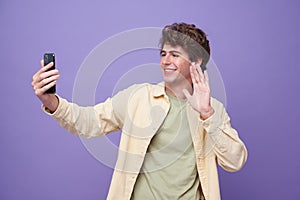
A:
(46, 58)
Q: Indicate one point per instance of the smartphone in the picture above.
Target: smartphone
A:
(48, 58)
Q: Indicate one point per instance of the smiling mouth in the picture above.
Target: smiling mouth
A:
(169, 70)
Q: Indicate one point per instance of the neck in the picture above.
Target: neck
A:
(176, 90)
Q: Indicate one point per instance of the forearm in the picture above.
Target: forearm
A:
(230, 150)
(82, 121)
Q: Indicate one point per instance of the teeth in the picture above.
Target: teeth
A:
(169, 70)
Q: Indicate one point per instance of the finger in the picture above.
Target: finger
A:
(48, 86)
(207, 80)
(48, 74)
(42, 63)
(41, 91)
(35, 76)
(206, 76)
(201, 75)
(43, 69)
(46, 81)
(38, 79)
(192, 75)
(195, 74)
(42, 75)
(47, 67)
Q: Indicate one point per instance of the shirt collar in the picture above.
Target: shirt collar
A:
(159, 89)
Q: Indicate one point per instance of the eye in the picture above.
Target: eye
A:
(162, 53)
(175, 55)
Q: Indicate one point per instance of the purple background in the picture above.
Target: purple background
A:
(255, 44)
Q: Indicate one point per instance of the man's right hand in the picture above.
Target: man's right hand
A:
(42, 81)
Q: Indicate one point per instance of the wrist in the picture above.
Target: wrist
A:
(51, 103)
(206, 113)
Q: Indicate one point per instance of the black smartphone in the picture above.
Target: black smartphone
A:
(48, 58)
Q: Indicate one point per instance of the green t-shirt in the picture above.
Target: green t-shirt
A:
(169, 169)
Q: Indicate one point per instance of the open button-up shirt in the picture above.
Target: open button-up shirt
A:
(139, 111)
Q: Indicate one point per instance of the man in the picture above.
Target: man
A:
(173, 134)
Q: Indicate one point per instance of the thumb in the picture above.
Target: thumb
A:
(42, 63)
(186, 94)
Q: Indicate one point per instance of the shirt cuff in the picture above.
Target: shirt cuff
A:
(59, 111)
(213, 124)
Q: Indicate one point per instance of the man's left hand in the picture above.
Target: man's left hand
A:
(200, 99)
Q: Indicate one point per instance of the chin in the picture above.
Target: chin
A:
(169, 79)
(176, 81)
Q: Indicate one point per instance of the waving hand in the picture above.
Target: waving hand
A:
(200, 99)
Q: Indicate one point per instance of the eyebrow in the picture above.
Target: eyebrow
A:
(172, 51)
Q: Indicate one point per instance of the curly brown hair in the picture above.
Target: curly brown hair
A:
(192, 39)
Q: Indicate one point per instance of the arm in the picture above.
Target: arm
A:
(230, 150)
(83, 121)
(91, 121)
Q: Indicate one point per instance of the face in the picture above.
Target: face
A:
(175, 65)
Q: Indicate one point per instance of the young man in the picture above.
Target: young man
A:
(173, 134)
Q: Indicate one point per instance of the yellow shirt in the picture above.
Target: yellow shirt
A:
(139, 111)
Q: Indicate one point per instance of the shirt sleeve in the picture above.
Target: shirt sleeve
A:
(231, 152)
(91, 121)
